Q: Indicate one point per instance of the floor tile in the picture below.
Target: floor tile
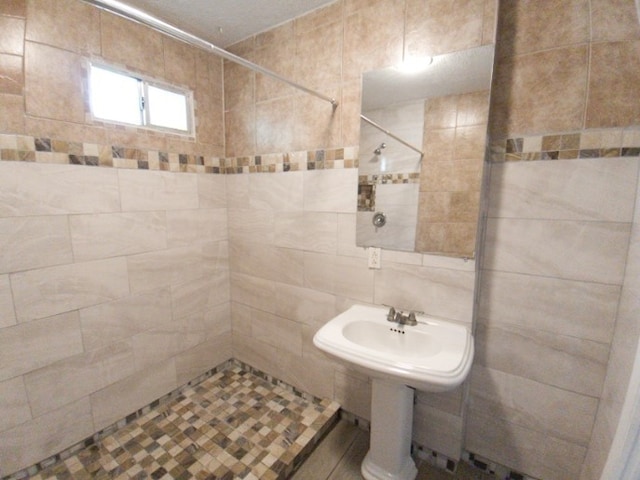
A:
(232, 425)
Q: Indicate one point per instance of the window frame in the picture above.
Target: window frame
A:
(144, 83)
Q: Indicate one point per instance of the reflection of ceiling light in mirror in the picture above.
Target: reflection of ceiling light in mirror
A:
(414, 65)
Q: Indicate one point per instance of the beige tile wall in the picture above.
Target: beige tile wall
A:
(301, 242)
(556, 243)
(582, 76)
(291, 236)
(295, 265)
(454, 142)
(114, 284)
(623, 350)
(40, 37)
(552, 275)
(130, 303)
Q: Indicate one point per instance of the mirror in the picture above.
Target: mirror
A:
(422, 148)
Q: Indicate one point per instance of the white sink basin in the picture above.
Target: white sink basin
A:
(433, 355)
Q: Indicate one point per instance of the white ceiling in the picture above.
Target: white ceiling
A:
(225, 22)
(449, 74)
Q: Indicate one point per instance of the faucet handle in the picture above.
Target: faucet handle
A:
(391, 316)
(412, 318)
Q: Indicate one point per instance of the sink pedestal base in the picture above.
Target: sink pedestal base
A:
(389, 456)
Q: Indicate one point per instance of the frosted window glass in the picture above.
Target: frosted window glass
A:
(115, 97)
(167, 109)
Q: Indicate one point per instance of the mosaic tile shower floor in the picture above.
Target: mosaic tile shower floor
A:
(233, 425)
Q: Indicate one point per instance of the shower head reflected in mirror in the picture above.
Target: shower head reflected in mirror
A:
(378, 150)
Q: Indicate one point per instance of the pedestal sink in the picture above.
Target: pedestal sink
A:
(433, 356)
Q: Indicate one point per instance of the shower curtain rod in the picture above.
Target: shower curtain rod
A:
(395, 137)
(130, 13)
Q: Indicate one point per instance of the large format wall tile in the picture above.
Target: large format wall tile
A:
(144, 190)
(45, 435)
(585, 189)
(70, 379)
(560, 73)
(175, 265)
(12, 38)
(612, 101)
(14, 403)
(285, 335)
(533, 405)
(200, 294)
(305, 305)
(588, 251)
(179, 62)
(37, 189)
(48, 291)
(346, 276)
(117, 234)
(199, 359)
(621, 359)
(438, 430)
(353, 393)
(123, 318)
(121, 398)
(7, 313)
(566, 362)
(523, 27)
(525, 450)
(264, 261)
(189, 227)
(252, 224)
(312, 374)
(331, 190)
(12, 80)
(435, 27)
(123, 41)
(53, 96)
(212, 191)
(276, 192)
(310, 231)
(614, 20)
(67, 24)
(33, 345)
(157, 345)
(371, 39)
(565, 307)
(435, 291)
(253, 291)
(203, 326)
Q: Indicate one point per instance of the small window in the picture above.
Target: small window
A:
(121, 98)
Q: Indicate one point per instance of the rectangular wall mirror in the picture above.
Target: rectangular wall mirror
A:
(422, 147)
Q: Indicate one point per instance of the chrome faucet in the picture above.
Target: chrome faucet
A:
(400, 318)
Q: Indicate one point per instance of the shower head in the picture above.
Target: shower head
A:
(378, 150)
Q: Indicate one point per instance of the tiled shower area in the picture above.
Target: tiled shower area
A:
(149, 280)
(232, 424)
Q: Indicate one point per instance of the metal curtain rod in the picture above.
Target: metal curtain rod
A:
(395, 137)
(130, 13)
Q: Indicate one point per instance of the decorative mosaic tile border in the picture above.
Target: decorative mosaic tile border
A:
(614, 142)
(434, 458)
(492, 468)
(367, 186)
(24, 148)
(173, 395)
(336, 158)
(442, 461)
(389, 178)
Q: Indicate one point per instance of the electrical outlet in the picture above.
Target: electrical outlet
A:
(374, 257)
